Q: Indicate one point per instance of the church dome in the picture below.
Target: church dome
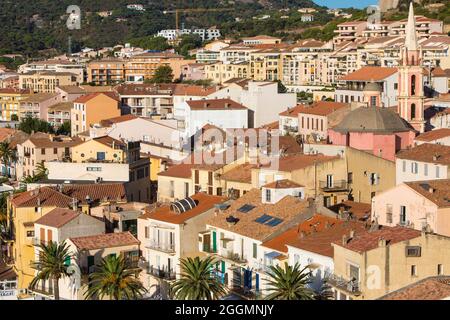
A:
(374, 120)
(372, 86)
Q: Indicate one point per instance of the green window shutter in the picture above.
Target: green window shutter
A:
(223, 266)
(255, 250)
(214, 241)
(67, 261)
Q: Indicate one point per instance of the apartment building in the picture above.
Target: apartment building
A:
(421, 205)
(261, 39)
(36, 105)
(351, 87)
(57, 226)
(205, 34)
(375, 262)
(106, 159)
(220, 72)
(92, 108)
(59, 113)
(46, 81)
(169, 233)
(234, 236)
(10, 101)
(40, 148)
(57, 66)
(193, 72)
(349, 31)
(423, 162)
(106, 71)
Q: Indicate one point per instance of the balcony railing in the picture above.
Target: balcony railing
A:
(163, 247)
(350, 286)
(338, 185)
(235, 257)
(161, 273)
(262, 267)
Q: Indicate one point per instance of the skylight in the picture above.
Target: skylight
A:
(246, 208)
(274, 222)
(264, 218)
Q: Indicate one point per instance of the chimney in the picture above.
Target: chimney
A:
(431, 190)
(382, 242)
(352, 234)
(227, 105)
(344, 240)
(436, 157)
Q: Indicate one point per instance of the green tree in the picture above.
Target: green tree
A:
(52, 264)
(41, 171)
(281, 87)
(151, 43)
(7, 155)
(289, 283)
(196, 281)
(115, 280)
(64, 129)
(189, 42)
(163, 74)
(14, 117)
(30, 124)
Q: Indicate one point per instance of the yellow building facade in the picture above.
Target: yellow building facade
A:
(10, 102)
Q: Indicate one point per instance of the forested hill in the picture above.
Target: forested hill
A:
(29, 26)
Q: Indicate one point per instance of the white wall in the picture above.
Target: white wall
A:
(404, 171)
(231, 118)
(118, 172)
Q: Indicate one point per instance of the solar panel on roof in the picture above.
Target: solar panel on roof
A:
(274, 222)
(425, 186)
(246, 208)
(264, 218)
(184, 205)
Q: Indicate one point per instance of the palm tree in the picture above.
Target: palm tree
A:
(7, 155)
(41, 171)
(52, 264)
(115, 280)
(197, 282)
(289, 283)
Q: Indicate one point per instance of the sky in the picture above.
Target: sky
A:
(346, 3)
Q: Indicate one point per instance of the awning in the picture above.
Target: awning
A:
(272, 254)
(28, 224)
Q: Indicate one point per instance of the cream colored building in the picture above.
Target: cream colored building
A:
(370, 264)
(220, 72)
(46, 81)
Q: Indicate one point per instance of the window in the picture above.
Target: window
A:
(101, 156)
(186, 190)
(197, 189)
(413, 85)
(388, 213)
(210, 191)
(147, 232)
(395, 86)
(402, 215)
(425, 169)
(268, 195)
(172, 189)
(131, 176)
(404, 166)
(30, 233)
(219, 191)
(414, 167)
(413, 270)
(210, 178)
(413, 251)
(374, 179)
(329, 180)
(437, 172)
(353, 272)
(93, 169)
(255, 250)
(196, 172)
(55, 150)
(42, 150)
(373, 101)
(440, 270)
(413, 111)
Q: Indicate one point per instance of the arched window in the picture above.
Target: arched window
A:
(413, 111)
(413, 85)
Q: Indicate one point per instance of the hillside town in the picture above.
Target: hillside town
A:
(244, 163)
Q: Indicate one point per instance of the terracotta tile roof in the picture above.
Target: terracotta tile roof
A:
(146, 89)
(58, 217)
(437, 191)
(434, 135)
(87, 97)
(108, 141)
(14, 91)
(102, 241)
(6, 133)
(427, 152)
(163, 55)
(358, 209)
(96, 192)
(283, 184)
(370, 74)
(204, 203)
(62, 106)
(289, 209)
(193, 90)
(72, 89)
(215, 104)
(260, 37)
(319, 108)
(178, 171)
(43, 140)
(431, 288)
(271, 126)
(39, 97)
(111, 121)
(300, 161)
(242, 173)
(43, 197)
(315, 235)
(439, 72)
(369, 240)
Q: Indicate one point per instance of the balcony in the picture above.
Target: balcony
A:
(26, 154)
(159, 246)
(338, 185)
(291, 128)
(161, 273)
(233, 257)
(350, 286)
